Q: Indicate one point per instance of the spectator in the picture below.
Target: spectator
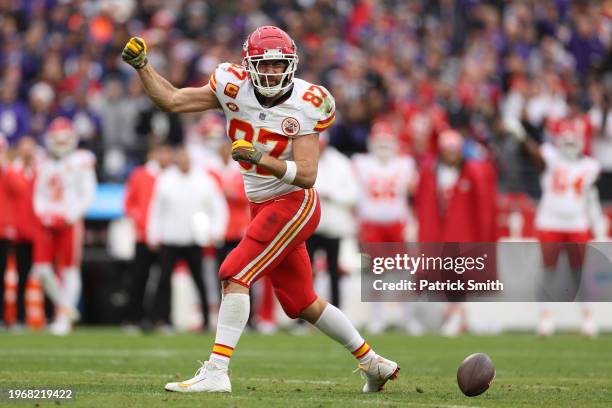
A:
(5, 219)
(42, 100)
(455, 202)
(453, 198)
(138, 194)
(601, 118)
(21, 178)
(338, 192)
(187, 211)
(14, 114)
(417, 62)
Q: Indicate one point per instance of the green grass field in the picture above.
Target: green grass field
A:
(109, 369)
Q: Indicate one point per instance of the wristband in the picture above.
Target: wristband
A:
(290, 173)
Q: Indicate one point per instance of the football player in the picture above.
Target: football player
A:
(273, 119)
(569, 212)
(64, 189)
(386, 181)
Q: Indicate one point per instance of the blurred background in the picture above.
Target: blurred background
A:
(417, 67)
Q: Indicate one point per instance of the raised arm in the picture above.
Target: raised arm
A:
(516, 129)
(165, 95)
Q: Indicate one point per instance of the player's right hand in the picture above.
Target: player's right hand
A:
(135, 52)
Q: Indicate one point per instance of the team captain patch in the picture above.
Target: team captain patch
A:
(231, 90)
(290, 126)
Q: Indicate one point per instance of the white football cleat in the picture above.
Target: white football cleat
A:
(61, 326)
(453, 327)
(209, 378)
(377, 372)
(546, 327)
(414, 328)
(589, 328)
(377, 326)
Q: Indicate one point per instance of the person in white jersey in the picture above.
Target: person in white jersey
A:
(569, 212)
(64, 190)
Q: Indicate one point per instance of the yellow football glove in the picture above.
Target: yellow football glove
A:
(244, 151)
(135, 52)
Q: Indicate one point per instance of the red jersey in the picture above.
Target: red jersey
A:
(230, 181)
(463, 212)
(138, 194)
(20, 185)
(7, 221)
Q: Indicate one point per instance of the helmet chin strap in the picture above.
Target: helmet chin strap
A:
(272, 100)
(279, 94)
(283, 87)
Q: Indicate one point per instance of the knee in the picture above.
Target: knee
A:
(309, 311)
(312, 312)
(42, 270)
(233, 287)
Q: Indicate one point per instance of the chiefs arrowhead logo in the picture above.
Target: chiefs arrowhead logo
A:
(290, 126)
(232, 106)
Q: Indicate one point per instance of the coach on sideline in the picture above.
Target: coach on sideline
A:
(182, 196)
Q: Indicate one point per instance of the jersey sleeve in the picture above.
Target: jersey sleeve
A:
(549, 153)
(358, 164)
(226, 81)
(595, 170)
(411, 172)
(85, 159)
(86, 186)
(319, 107)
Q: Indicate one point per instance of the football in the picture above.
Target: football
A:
(475, 374)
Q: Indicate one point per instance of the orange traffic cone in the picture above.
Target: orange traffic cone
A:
(10, 291)
(35, 304)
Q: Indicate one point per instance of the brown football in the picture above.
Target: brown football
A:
(475, 374)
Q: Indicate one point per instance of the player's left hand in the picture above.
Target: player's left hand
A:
(245, 151)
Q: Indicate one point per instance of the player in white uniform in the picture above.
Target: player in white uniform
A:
(569, 212)
(273, 120)
(64, 190)
(386, 180)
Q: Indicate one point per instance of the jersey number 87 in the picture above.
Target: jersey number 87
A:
(263, 137)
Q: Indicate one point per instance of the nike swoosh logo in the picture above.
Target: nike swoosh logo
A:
(185, 385)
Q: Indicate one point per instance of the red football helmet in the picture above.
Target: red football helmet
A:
(61, 138)
(569, 137)
(269, 43)
(382, 141)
